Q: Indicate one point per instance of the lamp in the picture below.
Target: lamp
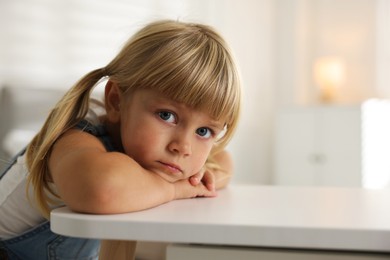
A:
(329, 75)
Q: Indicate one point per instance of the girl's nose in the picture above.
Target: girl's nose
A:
(180, 145)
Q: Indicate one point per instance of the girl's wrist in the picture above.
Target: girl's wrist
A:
(166, 186)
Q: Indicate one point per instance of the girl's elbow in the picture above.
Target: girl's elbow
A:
(94, 201)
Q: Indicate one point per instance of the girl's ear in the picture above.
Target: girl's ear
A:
(113, 97)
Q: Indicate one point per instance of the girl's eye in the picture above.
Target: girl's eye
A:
(204, 132)
(167, 116)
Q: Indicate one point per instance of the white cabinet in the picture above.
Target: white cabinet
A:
(334, 145)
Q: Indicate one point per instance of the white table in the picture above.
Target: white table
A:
(349, 219)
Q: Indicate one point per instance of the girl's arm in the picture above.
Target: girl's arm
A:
(90, 179)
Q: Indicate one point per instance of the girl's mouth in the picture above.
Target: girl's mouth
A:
(172, 168)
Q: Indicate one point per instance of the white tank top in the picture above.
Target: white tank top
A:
(17, 214)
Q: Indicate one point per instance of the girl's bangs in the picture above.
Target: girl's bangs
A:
(204, 80)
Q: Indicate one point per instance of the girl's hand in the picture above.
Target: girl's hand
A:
(184, 190)
(205, 177)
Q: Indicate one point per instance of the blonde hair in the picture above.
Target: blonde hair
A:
(187, 62)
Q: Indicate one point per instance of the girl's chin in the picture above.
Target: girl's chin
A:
(168, 177)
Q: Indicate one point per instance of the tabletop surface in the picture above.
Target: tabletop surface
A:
(251, 215)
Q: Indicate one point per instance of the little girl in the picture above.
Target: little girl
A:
(172, 101)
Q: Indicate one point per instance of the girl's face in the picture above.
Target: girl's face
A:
(166, 137)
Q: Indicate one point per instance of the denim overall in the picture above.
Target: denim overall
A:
(40, 242)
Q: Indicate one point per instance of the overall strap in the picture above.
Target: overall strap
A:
(99, 131)
(12, 162)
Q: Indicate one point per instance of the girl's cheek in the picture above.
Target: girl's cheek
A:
(201, 162)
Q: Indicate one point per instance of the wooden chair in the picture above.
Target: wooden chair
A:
(117, 249)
